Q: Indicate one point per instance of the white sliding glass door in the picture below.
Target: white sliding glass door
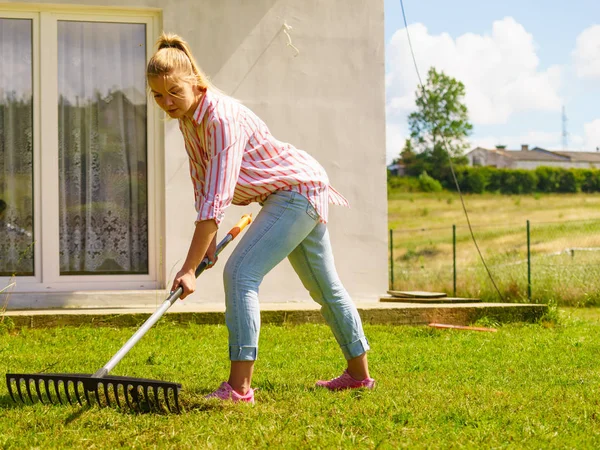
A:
(77, 155)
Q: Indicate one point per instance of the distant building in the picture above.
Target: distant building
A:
(396, 169)
(526, 158)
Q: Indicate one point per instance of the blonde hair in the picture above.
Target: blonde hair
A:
(173, 58)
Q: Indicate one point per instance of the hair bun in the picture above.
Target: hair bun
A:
(170, 41)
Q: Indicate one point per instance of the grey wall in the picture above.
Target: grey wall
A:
(329, 100)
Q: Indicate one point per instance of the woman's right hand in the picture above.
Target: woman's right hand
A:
(187, 280)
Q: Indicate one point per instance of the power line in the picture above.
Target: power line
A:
(445, 144)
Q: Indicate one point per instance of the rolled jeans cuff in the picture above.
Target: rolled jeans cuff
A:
(239, 353)
(355, 348)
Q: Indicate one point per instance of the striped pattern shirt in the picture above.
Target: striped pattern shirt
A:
(234, 159)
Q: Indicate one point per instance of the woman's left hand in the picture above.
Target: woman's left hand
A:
(211, 253)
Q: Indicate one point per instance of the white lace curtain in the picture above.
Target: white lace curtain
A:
(102, 148)
(16, 148)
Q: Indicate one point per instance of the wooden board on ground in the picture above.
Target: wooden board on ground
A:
(429, 300)
(416, 294)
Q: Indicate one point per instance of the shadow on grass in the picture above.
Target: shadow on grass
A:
(6, 402)
(192, 401)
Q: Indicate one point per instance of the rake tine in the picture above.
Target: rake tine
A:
(28, 387)
(47, 385)
(10, 391)
(37, 388)
(142, 400)
(126, 392)
(106, 394)
(116, 393)
(66, 386)
(76, 386)
(157, 395)
(87, 397)
(176, 396)
(147, 397)
(137, 397)
(19, 389)
(18, 383)
(166, 394)
(96, 391)
(56, 385)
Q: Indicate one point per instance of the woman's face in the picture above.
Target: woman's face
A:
(175, 96)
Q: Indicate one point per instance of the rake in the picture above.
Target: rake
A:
(138, 394)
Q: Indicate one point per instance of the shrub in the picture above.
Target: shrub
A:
(429, 184)
(547, 179)
(473, 179)
(526, 180)
(403, 184)
(568, 181)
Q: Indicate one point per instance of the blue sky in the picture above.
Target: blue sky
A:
(521, 62)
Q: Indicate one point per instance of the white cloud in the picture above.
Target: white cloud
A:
(395, 137)
(592, 135)
(500, 71)
(587, 53)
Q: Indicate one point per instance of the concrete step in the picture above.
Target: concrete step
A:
(416, 294)
(429, 300)
(289, 312)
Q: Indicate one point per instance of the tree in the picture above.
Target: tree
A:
(407, 155)
(414, 164)
(440, 125)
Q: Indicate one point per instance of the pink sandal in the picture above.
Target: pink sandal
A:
(226, 392)
(345, 381)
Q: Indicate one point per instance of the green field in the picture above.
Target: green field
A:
(564, 245)
(525, 386)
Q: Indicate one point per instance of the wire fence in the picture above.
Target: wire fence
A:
(538, 262)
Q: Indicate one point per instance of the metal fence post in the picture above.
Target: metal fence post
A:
(454, 257)
(391, 259)
(528, 263)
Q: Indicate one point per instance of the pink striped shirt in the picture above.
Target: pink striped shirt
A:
(235, 159)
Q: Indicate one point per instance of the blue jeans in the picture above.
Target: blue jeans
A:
(287, 226)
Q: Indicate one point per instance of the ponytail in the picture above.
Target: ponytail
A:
(173, 56)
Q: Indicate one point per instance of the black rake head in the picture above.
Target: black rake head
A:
(136, 394)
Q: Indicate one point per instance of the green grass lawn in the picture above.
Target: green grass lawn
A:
(526, 386)
(564, 243)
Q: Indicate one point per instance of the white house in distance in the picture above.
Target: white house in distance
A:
(531, 158)
(98, 205)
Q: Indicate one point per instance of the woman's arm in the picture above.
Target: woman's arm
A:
(203, 244)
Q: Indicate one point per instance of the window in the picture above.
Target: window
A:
(76, 150)
(16, 147)
(103, 220)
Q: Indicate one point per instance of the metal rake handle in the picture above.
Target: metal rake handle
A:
(110, 365)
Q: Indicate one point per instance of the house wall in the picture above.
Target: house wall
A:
(486, 158)
(530, 165)
(328, 100)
